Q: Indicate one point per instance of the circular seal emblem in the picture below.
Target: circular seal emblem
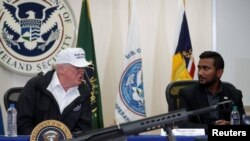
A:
(50, 130)
(33, 32)
(131, 88)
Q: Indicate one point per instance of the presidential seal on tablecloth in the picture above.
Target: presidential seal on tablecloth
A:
(50, 130)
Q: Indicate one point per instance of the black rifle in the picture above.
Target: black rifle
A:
(143, 125)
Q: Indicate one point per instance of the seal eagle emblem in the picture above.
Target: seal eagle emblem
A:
(131, 88)
(33, 32)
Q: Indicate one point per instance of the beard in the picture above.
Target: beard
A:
(209, 83)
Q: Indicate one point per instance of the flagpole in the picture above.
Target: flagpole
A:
(129, 11)
(89, 14)
(214, 28)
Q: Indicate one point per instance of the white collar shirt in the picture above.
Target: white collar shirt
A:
(63, 98)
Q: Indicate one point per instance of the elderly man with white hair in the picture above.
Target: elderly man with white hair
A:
(59, 94)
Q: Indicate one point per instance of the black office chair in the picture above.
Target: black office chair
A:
(172, 92)
(1, 123)
(11, 96)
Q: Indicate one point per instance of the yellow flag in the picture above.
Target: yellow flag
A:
(179, 71)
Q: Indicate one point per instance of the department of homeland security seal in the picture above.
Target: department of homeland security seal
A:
(32, 32)
(50, 130)
(131, 88)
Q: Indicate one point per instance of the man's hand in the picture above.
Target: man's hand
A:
(221, 122)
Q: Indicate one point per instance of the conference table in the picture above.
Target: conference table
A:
(129, 138)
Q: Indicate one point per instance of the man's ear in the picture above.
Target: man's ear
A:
(60, 68)
(220, 72)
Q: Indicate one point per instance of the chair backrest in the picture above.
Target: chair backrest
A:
(172, 92)
(11, 96)
(1, 122)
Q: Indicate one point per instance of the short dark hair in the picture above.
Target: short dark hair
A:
(218, 60)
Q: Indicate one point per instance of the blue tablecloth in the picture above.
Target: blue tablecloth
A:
(162, 138)
(129, 138)
(18, 138)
